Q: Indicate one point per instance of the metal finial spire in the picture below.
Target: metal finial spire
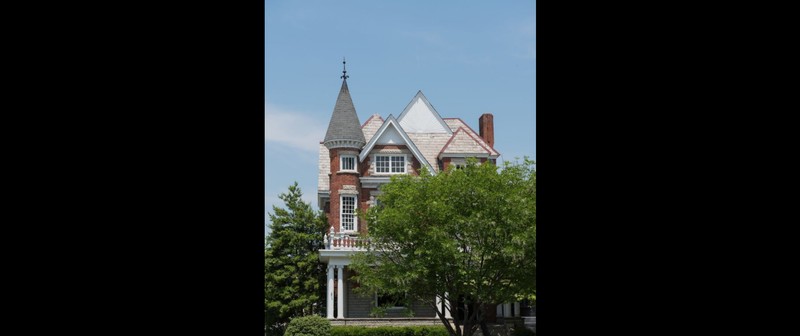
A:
(344, 69)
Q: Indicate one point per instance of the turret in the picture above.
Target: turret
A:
(344, 140)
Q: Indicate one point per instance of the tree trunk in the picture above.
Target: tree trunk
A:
(484, 328)
(444, 320)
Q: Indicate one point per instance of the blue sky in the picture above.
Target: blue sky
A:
(467, 57)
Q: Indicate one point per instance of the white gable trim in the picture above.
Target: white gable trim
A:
(389, 137)
(435, 114)
(410, 144)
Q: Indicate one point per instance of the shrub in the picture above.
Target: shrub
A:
(521, 331)
(377, 312)
(388, 331)
(308, 326)
(430, 331)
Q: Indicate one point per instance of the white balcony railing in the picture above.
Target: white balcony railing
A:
(344, 242)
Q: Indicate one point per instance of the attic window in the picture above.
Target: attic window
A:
(390, 164)
(348, 163)
(458, 163)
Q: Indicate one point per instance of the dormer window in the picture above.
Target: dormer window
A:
(348, 163)
(390, 164)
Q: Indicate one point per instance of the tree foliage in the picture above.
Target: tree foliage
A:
(467, 234)
(294, 278)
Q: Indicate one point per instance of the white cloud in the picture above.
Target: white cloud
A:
(293, 129)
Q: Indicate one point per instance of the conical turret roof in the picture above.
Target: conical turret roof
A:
(344, 129)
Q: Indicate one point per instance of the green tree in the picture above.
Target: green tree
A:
(467, 234)
(294, 278)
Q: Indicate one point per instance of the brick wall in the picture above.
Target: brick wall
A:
(338, 181)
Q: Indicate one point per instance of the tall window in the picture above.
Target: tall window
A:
(348, 163)
(392, 164)
(348, 218)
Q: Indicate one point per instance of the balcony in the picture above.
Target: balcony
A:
(341, 245)
(344, 242)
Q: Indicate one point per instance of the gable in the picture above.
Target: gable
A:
(463, 143)
(456, 123)
(391, 130)
(390, 137)
(419, 116)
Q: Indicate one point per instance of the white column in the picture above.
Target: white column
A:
(499, 310)
(446, 306)
(340, 293)
(438, 305)
(330, 292)
(516, 309)
(506, 310)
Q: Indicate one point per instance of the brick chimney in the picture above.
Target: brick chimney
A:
(486, 126)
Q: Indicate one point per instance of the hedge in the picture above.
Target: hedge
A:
(388, 331)
(308, 326)
(522, 331)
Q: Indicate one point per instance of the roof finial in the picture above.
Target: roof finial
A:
(344, 69)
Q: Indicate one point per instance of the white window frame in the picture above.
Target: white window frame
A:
(461, 163)
(341, 213)
(341, 163)
(458, 163)
(390, 156)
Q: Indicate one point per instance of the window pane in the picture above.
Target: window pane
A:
(348, 218)
(398, 164)
(382, 164)
(348, 163)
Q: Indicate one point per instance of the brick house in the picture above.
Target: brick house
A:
(356, 159)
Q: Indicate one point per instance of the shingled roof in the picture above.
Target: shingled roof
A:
(344, 129)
